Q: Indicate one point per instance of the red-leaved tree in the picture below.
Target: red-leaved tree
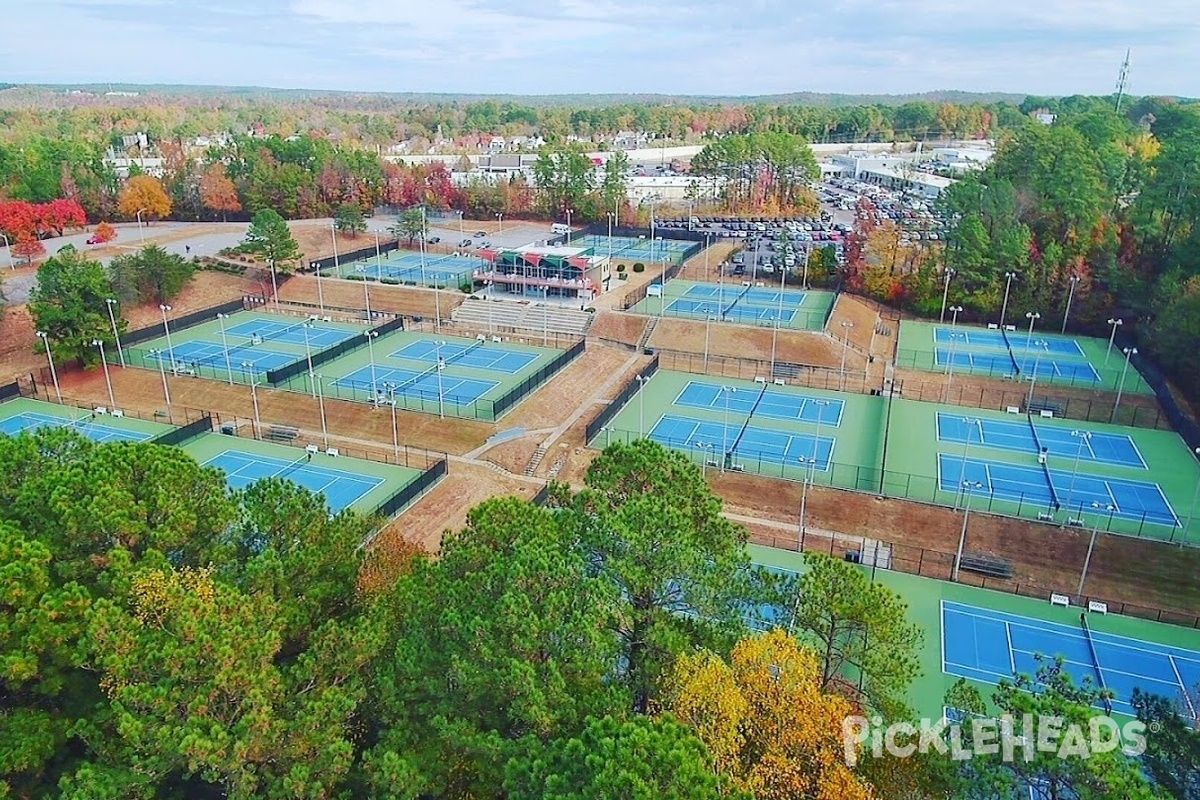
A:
(28, 247)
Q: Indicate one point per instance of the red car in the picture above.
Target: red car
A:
(95, 240)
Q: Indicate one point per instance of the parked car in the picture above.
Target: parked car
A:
(434, 239)
(95, 240)
(465, 243)
(480, 234)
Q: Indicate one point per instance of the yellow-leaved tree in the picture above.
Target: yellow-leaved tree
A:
(146, 194)
(767, 724)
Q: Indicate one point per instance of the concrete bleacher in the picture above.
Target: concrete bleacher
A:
(515, 315)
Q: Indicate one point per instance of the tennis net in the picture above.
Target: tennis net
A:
(746, 424)
(400, 388)
(462, 353)
(1087, 634)
(1011, 355)
(290, 466)
(1044, 460)
(740, 295)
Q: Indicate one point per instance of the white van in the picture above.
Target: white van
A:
(560, 229)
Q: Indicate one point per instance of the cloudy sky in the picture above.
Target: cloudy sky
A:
(725, 47)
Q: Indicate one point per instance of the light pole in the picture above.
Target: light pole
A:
(378, 257)
(1008, 279)
(1087, 560)
(164, 308)
(391, 387)
(1037, 362)
(112, 401)
(703, 458)
(112, 318)
(158, 356)
(500, 220)
(962, 535)
(1032, 316)
(316, 267)
(1115, 323)
(362, 269)
(50, 357)
(707, 330)
(1128, 351)
(946, 292)
(308, 324)
(971, 423)
(774, 339)
(141, 233)
(8, 246)
(1070, 296)
(225, 346)
(371, 357)
(568, 225)
(804, 280)
(1084, 438)
(809, 464)
(955, 311)
(248, 366)
(846, 326)
(321, 406)
(727, 390)
(441, 392)
(1195, 494)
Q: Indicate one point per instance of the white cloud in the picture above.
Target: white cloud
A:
(605, 46)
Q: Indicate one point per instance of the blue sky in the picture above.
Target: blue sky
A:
(727, 47)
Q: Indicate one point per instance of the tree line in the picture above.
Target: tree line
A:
(1096, 208)
(163, 636)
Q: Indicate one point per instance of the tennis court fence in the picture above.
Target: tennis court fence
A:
(626, 394)
(793, 374)
(361, 254)
(514, 395)
(1178, 419)
(9, 391)
(926, 361)
(1138, 411)
(413, 490)
(895, 484)
(177, 324)
(182, 434)
(289, 371)
(938, 564)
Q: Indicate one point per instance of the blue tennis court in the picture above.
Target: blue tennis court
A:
(1052, 368)
(628, 246)
(1077, 493)
(340, 488)
(197, 351)
(974, 337)
(775, 403)
(317, 336)
(989, 645)
(993, 363)
(430, 384)
(477, 355)
(1103, 448)
(87, 425)
(740, 313)
(762, 444)
(409, 268)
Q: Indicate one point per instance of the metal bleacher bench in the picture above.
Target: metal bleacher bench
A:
(281, 433)
(991, 566)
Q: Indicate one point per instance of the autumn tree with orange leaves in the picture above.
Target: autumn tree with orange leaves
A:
(217, 191)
